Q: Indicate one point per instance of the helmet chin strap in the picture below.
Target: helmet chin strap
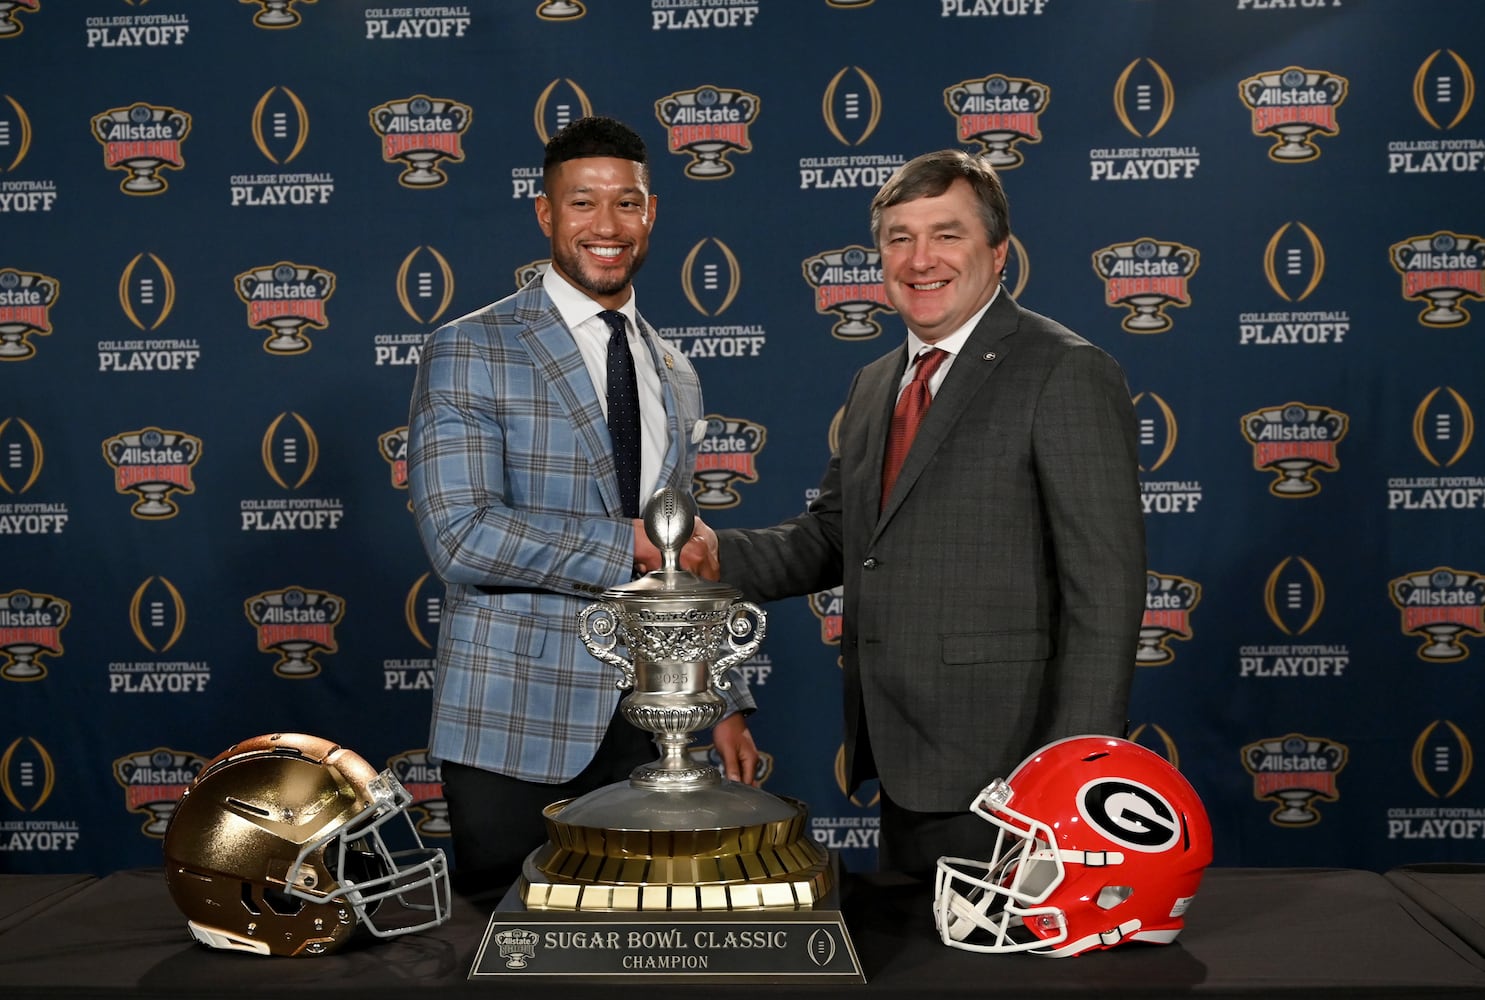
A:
(1107, 939)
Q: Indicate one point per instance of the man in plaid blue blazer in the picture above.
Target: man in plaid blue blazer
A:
(517, 501)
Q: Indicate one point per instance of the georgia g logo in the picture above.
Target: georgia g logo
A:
(1130, 814)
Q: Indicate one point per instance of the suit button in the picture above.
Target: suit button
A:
(870, 563)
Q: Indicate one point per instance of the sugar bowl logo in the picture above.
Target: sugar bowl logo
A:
(561, 10)
(848, 283)
(283, 299)
(1443, 759)
(1442, 270)
(24, 455)
(26, 300)
(423, 780)
(1440, 605)
(529, 271)
(1443, 427)
(1169, 601)
(31, 626)
(1291, 105)
(295, 623)
(1145, 277)
(728, 454)
(141, 140)
(392, 445)
(517, 946)
(153, 783)
(1294, 441)
(420, 132)
(706, 124)
(1294, 771)
(998, 112)
(9, 26)
(1435, 96)
(829, 606)
(154, 464)
(276, 13)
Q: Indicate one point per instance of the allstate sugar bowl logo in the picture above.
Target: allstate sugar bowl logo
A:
(276, 14)
(848, 283)
(1291, 105)
(141, 140)
(998, 112)
(728, 454)
(26, 299)
(153, 783)
(1169, 601)
(1146, 276)
(706, 124)
(1441, 270)
(1440, 606)
(1294, 441)
(153, 464)
(1294, 771)
(295, 623)
(31, 626)
(283, 299)
(421, 132)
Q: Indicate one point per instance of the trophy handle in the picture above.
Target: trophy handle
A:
(738, 627)
(601, 637)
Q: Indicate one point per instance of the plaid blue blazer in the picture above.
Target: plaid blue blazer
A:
(514, 493)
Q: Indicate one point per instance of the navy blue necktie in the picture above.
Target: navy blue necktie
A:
(623, 410)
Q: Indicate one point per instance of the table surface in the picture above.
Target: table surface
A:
(1251, 932)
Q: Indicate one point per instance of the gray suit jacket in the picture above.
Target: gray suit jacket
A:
(994, 604)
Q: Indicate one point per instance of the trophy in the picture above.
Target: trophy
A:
(675, 836)
(660, 877)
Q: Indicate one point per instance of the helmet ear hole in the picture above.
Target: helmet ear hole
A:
(1111, 896)
(281, 902)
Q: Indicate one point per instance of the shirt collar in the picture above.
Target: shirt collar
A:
(954, 342)
(575, 306)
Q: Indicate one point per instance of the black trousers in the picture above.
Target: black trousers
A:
(496, 819)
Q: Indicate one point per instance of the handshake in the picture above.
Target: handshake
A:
(698, 555)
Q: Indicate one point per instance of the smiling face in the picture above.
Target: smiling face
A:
(598, 213)
(938, 266)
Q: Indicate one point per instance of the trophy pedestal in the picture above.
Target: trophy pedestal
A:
(785, 944)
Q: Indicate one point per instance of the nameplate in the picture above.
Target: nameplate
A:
(795, 947)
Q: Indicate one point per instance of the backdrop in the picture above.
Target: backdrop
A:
(228, 226)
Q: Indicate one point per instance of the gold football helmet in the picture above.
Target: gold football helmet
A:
(277, 848)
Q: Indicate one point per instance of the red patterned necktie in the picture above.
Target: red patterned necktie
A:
(911, 406)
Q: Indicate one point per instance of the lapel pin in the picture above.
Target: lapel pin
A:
(669, 362)
(989, 355)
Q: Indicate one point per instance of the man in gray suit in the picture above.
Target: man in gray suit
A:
(993, 587)
(516, 489)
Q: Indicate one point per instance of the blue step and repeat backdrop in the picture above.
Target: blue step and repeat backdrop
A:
(226, 228)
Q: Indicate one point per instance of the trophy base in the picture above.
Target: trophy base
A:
(754, 946)
(717, 847)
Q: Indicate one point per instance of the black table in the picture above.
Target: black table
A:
(1250, 933)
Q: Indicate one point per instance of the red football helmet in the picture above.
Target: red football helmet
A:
(1100, 842)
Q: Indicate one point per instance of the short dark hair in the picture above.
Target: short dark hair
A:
(930, 175)
(595, 135)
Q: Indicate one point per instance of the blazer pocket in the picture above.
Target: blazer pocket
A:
(491, 628)
(988, 647)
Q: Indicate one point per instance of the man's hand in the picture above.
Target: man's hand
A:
(698, 555)
(734, 743)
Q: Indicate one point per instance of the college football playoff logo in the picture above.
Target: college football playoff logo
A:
(1144, 98)
(1443, 427)
(1443, 97)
